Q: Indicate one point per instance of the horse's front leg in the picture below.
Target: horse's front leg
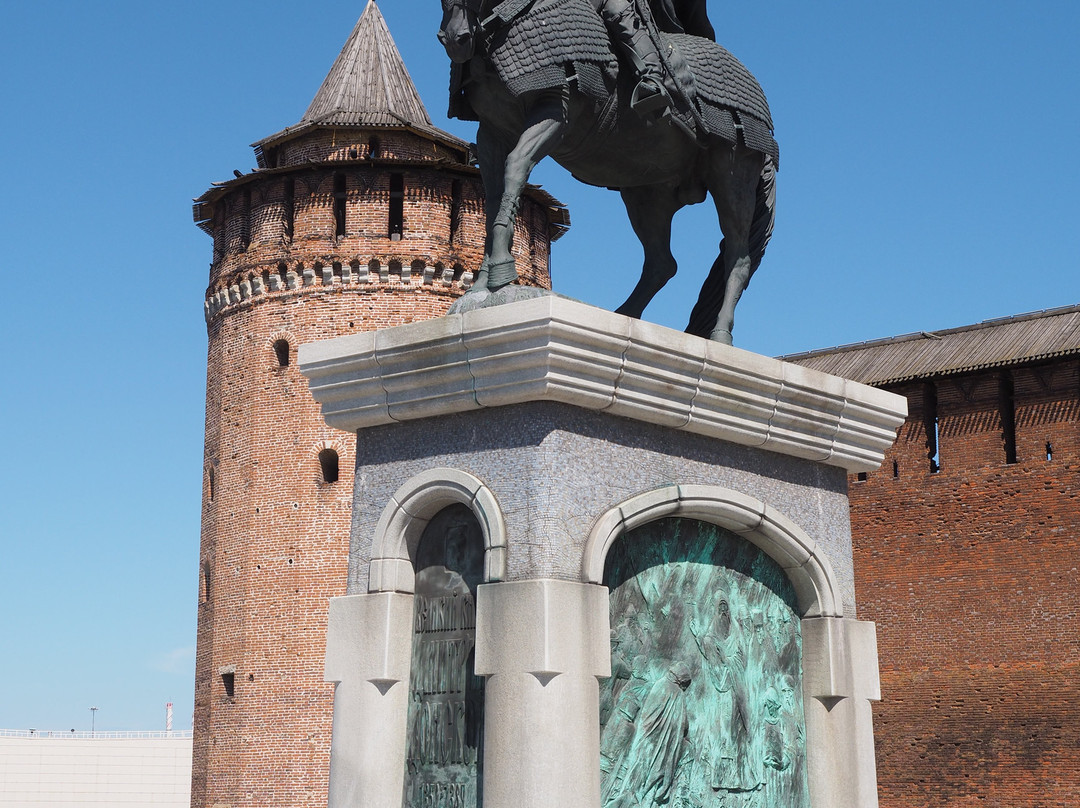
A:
(545, 125)
(491, 152)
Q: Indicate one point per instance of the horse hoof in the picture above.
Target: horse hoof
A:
(472, 299)
(500, 273)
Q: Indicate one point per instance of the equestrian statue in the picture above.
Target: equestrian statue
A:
(632, 95)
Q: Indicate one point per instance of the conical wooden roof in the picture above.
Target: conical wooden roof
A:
(368, 84)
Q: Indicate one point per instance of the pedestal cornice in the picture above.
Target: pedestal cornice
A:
(556, 349)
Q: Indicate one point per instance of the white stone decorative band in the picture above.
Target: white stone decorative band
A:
(252, 288)
(556, 349)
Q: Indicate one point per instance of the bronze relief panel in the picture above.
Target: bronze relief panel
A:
(704, 705)
(446, 699)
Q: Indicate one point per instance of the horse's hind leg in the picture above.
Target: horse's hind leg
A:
(651, 209)
(544, 128)
(733, 181)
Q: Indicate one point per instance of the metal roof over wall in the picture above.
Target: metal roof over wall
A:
(994, 343)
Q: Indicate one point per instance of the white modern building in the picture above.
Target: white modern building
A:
(101, 768)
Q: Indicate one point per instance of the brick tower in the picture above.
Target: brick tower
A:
(362, 215)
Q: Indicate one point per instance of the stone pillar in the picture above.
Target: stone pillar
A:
(368, 654)
(542, 644)
(840, 679)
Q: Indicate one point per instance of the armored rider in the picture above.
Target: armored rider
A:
(630, 34)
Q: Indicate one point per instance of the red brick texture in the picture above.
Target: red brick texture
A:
(275, 535)
(971, 576)
(970, 573)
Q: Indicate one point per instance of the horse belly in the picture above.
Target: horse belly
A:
(631, 155)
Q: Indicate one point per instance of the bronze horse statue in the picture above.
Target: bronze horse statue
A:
(541, 78)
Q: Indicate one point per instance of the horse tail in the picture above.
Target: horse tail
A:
(761, 228)
(711, 300)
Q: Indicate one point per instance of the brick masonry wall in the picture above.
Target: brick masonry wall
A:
(341, 143)
(275, 535)
(971, 576)
(250, 232)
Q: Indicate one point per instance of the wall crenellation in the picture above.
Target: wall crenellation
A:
(260, 226)
(969, 572)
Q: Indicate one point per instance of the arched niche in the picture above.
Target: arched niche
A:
(440, 536)
(444, 735)
(414, 504)
(408, 708)
(784, 541)
(839, 657)
(704, 706)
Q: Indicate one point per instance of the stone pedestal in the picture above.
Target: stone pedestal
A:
(560, 427)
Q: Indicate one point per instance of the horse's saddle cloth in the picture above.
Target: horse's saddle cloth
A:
(557, 39)
(536, 49)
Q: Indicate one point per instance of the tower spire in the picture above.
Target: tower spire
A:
(368, 83)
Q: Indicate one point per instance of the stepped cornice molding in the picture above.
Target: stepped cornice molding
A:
(555, 349)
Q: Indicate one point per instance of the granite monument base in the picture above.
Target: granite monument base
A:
(531, 618)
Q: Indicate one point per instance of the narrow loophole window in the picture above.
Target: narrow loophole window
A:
(1007, 398)
(211, 482)
(932, 424)
(1049, 451)
(455, 210)
(289, 207)
(397, 206)
(228, 680)
(281, 351)
(339, 205)
(896, 469)
(245, 220)
(328, 462)
(204, 588)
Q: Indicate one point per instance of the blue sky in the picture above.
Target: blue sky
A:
(929, 179)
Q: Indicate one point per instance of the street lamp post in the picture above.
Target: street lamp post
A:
(93, 715)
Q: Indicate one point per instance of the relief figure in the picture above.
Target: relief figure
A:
(658, 744)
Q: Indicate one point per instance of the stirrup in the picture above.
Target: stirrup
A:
(650, 98)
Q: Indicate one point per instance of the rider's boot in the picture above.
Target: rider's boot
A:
(650, 98)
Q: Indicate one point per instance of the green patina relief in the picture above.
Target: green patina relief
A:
(446, 700)
(704, 705)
